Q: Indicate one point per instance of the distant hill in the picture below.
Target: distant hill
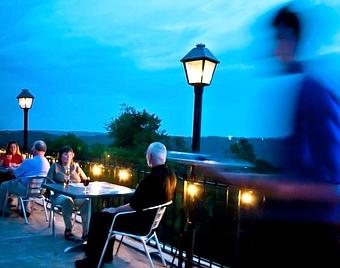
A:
(267, 149)
(88, 137)
(77, 133)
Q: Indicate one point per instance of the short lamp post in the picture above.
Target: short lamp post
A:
(199, 65)
(25, 100)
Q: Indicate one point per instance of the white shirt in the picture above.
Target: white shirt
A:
(36, 166)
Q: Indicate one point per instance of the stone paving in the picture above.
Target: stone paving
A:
(32, 245)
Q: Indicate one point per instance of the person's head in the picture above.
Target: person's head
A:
(288, 32)
(12, 148)
(65, 156)
(156, 154)
(39, 148)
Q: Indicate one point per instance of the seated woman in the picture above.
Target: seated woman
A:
(12, 157)
(10, 160)
(65, 167)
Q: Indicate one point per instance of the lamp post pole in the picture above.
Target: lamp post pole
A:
(196, 132)
(25, 130)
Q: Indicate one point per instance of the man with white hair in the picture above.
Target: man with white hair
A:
(155, 189)
(36, 166)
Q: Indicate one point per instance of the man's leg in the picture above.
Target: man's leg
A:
(99, 228)
(12, 186)
(3, 189)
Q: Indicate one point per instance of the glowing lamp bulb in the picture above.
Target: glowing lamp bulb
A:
(123, 174)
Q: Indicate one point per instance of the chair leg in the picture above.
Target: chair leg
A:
(120, 242)
(50, 217)
(53, 222)
(147, 253)
(159, 249)
(104, 249)
(45, 209)
(23, 209)
(5, 204)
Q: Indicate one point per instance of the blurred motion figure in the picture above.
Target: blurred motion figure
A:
(313, 149)
(301, 232)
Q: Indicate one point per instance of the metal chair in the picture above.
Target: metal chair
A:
(144, 238)
(57, 208)
(34, 192)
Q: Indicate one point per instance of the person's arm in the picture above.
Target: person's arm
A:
(279, 186)
(51, 174)
(123, 208)
(132, 205)
(80, 171)
(22, 169)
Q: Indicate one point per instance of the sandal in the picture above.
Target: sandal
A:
(69, 236)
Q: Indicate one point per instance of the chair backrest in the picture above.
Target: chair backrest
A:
(34, 186)
(159, 214)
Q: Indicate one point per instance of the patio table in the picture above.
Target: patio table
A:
(95, 189)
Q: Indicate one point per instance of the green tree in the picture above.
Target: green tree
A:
(97, 152)
(78, 145)
(132, 131)
(242, 149)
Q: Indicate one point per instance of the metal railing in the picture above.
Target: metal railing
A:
(201, 229)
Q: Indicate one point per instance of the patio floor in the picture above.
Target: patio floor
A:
(32, 245)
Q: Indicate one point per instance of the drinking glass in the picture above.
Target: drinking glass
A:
(86, 182)
(67, 176)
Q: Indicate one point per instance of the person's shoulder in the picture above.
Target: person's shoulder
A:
(54, 165)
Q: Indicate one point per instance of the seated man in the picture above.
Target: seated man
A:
(38, 165)
(157, 188)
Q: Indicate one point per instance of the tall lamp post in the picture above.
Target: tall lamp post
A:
(25, 100)
(199, 65)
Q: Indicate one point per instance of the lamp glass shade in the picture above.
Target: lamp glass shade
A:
(199, 72)
(25, 99)
(25, 103)
(194, 71)
(208, 72)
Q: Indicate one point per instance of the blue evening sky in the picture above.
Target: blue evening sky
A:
(83, 59)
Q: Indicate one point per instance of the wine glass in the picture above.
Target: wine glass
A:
(86, 182)
(67, 176)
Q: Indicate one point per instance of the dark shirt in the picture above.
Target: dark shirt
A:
(313, 150)
(312, 153)
(155, 189)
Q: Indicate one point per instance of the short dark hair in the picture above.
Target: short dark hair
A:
(288, 19)
(64, 149)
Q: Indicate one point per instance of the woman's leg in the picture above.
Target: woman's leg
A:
(67, 205)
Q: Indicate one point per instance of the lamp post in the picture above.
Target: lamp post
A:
(25, 100)
(199, 65)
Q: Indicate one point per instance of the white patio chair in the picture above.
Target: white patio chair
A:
(34, 192)
(144, 238)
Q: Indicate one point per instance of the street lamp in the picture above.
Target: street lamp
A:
(199, 65)
(25, 100)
